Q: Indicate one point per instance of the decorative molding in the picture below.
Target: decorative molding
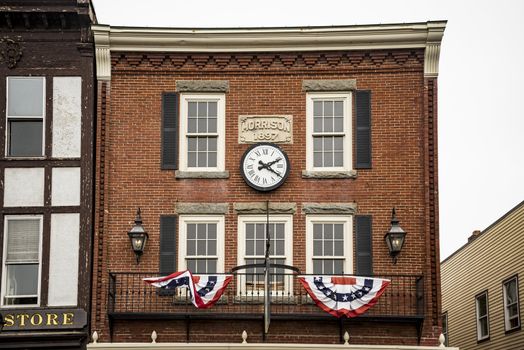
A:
(10, 52)
(201, 208)
(201, 174)
(352, 174)
(431, 60)
(202, 85)
(251, 208)
(391, 59)
(245, 41)
(329, 85)
(432, 54)
(330, 208)
(102, 53)
(357, 37)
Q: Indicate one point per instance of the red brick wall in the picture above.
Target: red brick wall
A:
(129, 151)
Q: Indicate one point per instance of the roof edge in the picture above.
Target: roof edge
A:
(426, 35)
(485, 231)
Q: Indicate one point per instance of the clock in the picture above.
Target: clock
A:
(264, 166)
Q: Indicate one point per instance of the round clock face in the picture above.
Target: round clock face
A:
(264, 166)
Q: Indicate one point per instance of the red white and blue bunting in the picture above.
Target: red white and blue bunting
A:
(349, 296)
(205, 290)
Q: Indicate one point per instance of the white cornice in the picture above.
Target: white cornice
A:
(102, 52)
(361, 37)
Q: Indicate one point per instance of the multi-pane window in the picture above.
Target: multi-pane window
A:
(202, 130)
(25, 116)
(445, 328)
(255, 254)
(329, 132)
(22, 244)
(328, 248)
(329, 245)
(511, 304)
(252, 250)
(201, 241)
(482, 316)
(201, 252)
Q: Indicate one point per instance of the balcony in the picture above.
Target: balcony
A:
(131, 298)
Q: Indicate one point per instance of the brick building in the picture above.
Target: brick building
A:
(355, 110)
(47, 112)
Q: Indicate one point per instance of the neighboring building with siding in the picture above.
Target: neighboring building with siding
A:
(482, 289)
(354, 108)
(46, 170)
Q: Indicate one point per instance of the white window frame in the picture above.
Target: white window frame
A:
(348, 239)
(221, 130)
(8, 117)
(348, 133)
(479, 336)
(183, 220)
(4, 256)
(507, 325)
(287, 220)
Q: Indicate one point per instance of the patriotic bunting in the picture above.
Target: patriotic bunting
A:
(349, 296)
(205, 290)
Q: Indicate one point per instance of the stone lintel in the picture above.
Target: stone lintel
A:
(329, 208)
(201, 208)
(202, 85)
(201, 174)
(329, 85)
(260, 208)
(308, 174)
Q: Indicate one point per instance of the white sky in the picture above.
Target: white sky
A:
(481, 166)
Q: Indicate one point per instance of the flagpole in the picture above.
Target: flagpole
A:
(267, 290)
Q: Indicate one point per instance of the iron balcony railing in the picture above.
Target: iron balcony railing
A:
(244, 298)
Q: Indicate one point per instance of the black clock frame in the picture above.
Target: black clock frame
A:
(275, 186)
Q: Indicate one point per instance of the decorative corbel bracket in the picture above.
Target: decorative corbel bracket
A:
(432, 54)
(102, 52)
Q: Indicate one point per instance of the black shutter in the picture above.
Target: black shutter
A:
(167, 244)
(169, 130)
(363, 132)
(364, 245)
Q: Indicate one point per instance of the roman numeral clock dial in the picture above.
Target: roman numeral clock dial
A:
(264, 166)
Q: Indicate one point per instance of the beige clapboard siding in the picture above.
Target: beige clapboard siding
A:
(483, 265)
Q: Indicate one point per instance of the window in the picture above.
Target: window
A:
(252, 249)
(202, 126)
(511, 304)
(201, 247)
(482, 316)
(22, 260)
(329, 132)
(25, 116)
(329, 245)
(445, 328)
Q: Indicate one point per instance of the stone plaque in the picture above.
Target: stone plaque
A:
(31, 319)
(265, 128)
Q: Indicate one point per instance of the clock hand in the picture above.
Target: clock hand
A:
(267, 166)
(273, 162)
(273, 171)
(262, 165)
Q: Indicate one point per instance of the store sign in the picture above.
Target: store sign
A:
(265, 128)
(29, 319)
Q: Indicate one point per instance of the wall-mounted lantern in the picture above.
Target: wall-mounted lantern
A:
(395, 237)
(138, 237)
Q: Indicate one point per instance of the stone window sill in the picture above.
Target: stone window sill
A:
(201, 174)
(315, 174)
